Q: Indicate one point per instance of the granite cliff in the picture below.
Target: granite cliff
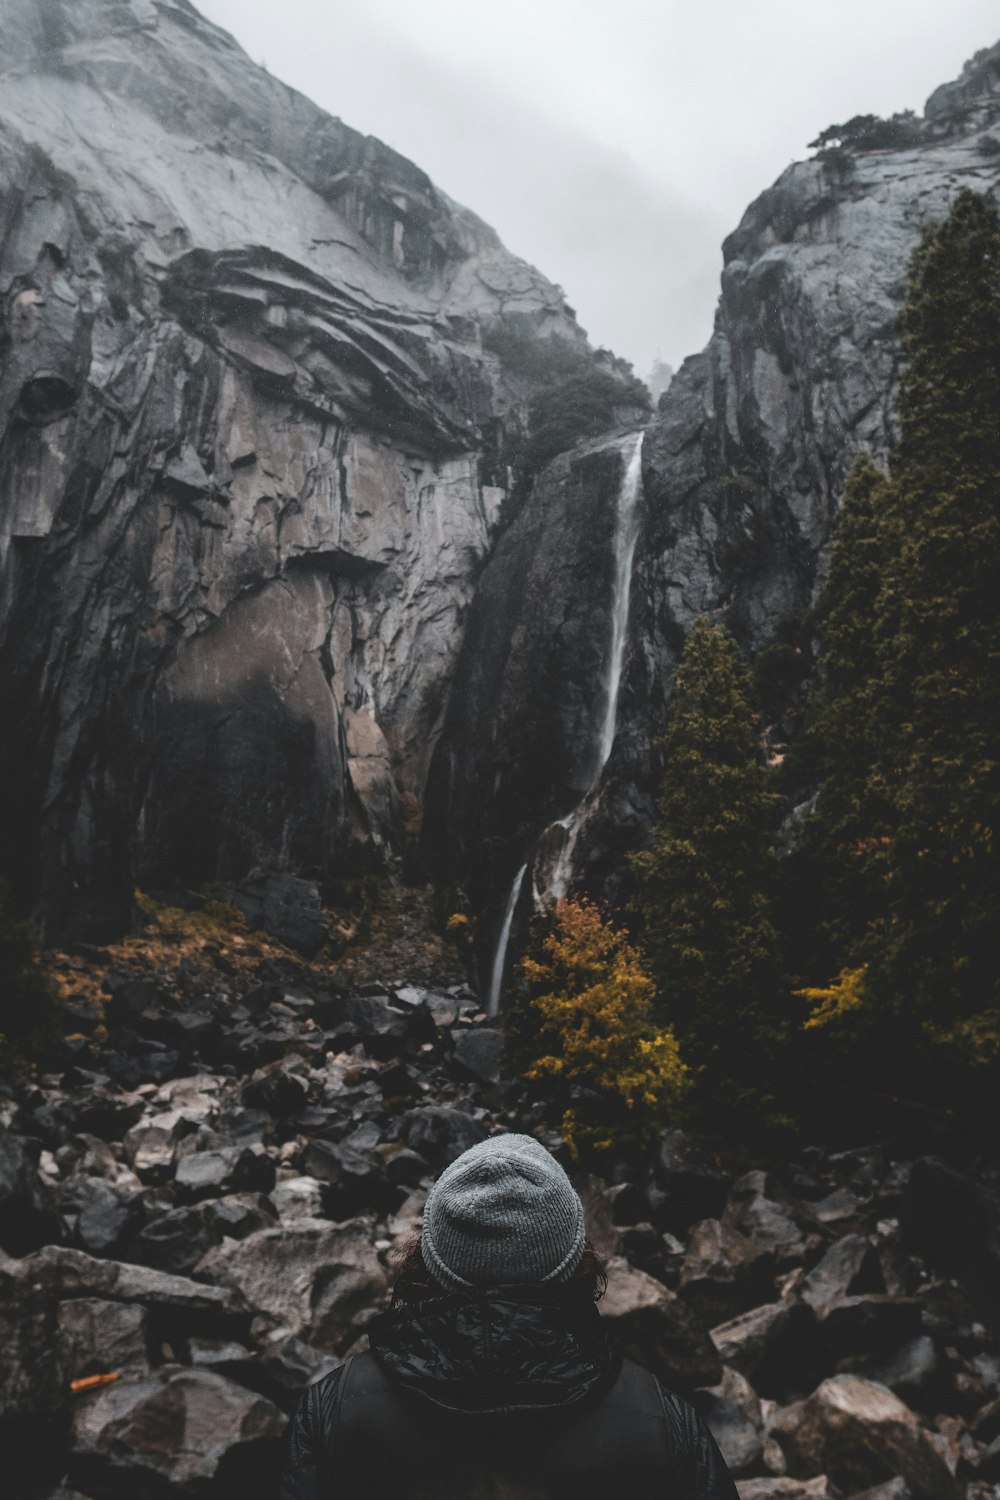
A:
(252, 459)
(270, 586)
(744, 464)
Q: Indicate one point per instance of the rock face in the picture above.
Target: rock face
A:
(250, 459)
(261, 385)
(744, 465)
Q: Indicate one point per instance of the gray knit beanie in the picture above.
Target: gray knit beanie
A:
(503, 1212)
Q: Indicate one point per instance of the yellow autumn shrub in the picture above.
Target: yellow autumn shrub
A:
(591, 1003)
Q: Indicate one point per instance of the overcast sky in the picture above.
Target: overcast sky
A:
(613, 143)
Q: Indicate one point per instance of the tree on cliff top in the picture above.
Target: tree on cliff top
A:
(704, 884)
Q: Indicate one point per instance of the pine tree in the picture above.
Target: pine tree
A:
(839, 868)
(590, 1005)
(938, 633)
(704, 884)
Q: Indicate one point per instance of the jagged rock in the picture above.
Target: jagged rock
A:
(313, 1280)
(767, 1222)
(406, 1168)
(653, 1326)
(440, 1135)
(784, 1488)
(835, 1207)
(277, 1088)
(986, 1423)
(477, 1052)
(107, 1219)
(149, 1146)
(297, 1198)
(95, 1337)
(284, 906)
(174, 1242)
(232, 1169)
(893, 1489)
(775, 1346)
(911, 1370)
(866, 1325)
(60, 1273)
(354, 1179)
(723, 1271)
(289, 1364)
(182, 1427)
(860, 1434)
(26, 1216)
(737, 1437)
(850, 1267)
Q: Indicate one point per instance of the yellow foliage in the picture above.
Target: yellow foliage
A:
(845, 995)
(593, 1000)
(166, 936)
(975, 1040)
(456, 923)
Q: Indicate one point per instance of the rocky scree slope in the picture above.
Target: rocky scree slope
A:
(744, 464)
(253, 450)
(201, 1190)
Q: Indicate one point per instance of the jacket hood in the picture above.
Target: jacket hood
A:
(497, 1352)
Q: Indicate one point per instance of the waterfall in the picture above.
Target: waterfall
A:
(553, 858)
(561, 837)
(500, 955)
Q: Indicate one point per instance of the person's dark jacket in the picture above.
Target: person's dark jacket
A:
(497, 1395)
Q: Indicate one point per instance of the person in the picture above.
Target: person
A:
(491, 1377)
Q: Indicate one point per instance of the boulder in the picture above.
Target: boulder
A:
(767, 1221)
(849, 1268)
(775, 1346)
(285, 907)
(654, 1327)
(912, 1370)
(231, 1169)
(175, 1431)
(868, 1325)
(297, 1198)
(95, 1337)
(107, 1219)
(477, 1052)
(174, 1242)
(440, 1135)
(738, 1439)
(27, 1219)
(860, 1434)
(57, 1273)
(314, 1280)
(277, 1088)
(785, 1488)
(723, 1271)
(691, 1186)
(149, 1145)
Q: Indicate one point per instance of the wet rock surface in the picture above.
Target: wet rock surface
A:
(209, 1236)
(254, 439)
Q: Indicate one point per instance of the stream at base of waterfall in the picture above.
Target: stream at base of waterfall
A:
(552, 860)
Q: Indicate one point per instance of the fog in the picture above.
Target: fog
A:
(613, 145)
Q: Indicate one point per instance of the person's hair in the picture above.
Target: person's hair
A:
(412, 1282)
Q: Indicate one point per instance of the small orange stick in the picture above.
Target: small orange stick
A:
(91, 1382)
